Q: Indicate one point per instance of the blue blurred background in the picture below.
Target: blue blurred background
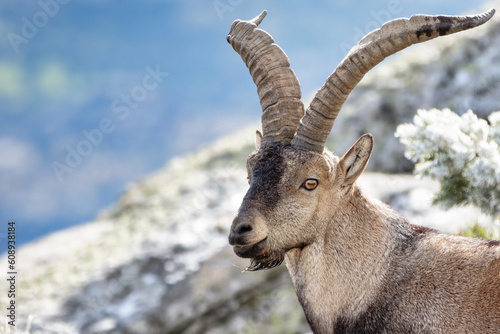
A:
(94, 95)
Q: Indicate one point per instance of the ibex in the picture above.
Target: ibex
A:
(357, 265)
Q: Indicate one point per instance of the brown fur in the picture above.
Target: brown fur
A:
(357, 265)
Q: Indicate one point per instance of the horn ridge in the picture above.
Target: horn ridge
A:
(277, 85)
(393, 36)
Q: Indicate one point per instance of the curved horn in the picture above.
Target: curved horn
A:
(392, 37)
(277, 85)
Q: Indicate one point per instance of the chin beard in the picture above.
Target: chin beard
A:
(264, 263)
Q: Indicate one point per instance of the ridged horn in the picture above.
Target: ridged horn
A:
(277, 85)
(392, 37)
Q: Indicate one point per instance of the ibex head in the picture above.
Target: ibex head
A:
(297, 186)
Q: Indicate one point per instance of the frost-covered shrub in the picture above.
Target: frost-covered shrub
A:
(462, 152)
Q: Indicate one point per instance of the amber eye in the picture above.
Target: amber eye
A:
(310, 184)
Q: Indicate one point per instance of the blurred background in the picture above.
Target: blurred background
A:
(69, 67)
(124, 129)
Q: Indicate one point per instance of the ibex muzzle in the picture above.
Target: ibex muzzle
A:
(357, 265)
(248, 235)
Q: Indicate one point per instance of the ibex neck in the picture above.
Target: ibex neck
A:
(340, 274)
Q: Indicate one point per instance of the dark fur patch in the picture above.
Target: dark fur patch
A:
(493, 243)
(418, 230)
(267, 173)
(373, 321)
(408, 235)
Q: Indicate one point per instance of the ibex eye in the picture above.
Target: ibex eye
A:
(310, 184)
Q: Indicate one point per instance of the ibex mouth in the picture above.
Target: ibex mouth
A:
(250, 251)
(260, 256)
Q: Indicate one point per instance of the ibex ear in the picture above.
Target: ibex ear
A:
(353, 163)
(258, 139)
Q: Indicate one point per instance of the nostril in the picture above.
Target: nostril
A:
(240, 233)
(243, 228)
